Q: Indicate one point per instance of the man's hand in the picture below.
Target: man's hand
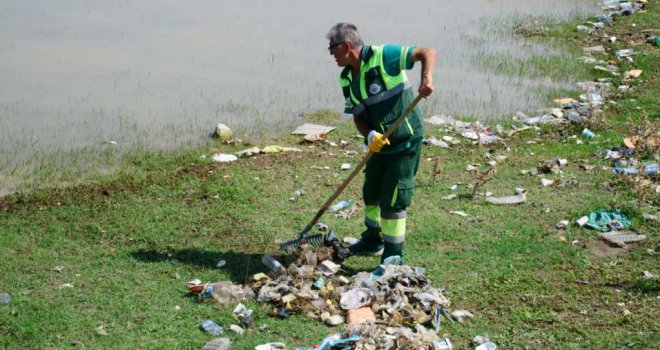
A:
(376, 141)
(426, 86)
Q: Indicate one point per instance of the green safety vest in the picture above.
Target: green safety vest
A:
(380, 98)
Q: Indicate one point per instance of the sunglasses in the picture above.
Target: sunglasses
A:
(334, 45)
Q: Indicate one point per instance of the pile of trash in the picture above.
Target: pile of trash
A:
(392, 307)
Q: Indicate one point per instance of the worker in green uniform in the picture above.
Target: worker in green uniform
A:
(377, 91)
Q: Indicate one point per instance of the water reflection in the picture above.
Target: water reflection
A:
(157, 74)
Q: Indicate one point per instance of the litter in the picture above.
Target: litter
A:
(449, 197)
(58, 268)
(272, 149)
(486, 346)
(217, 344)
(588, 133)
(635, 73)
(442, 344)
(562, 225)
(345, 166)
(546, 182)
(360, 315)
(236, 329)
(604, 221)
(220, 264)
(243, 314)
(248, 152)
(312, 129)
(621, 238)
(461, 315)
(435, 142)
(356, 298)
(582, 220)
(271, 346)
(460, 213)
(224, 158)
(520, 197)
(211, 327)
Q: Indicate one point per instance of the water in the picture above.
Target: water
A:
(86, 81)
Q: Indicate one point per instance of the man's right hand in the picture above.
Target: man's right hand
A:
(376, 141)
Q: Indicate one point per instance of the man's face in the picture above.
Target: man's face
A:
(339, 51)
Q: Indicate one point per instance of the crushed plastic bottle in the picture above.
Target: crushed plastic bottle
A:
(588, 133)
(624, 53)
(272, 263)
(211, 327)
(339, 206)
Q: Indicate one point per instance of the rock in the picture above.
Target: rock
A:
(223, 132)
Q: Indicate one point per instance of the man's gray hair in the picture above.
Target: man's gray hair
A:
(341, 32)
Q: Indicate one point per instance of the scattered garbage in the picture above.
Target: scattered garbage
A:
(582, 221)
(486, 346)
(271, 346)
(459, 213)
(313, 132)
(588, 133)
(217, 344)
(58, 268)
(520, 197)
(562, 225)
(248, 152)
(345, 166)
(604, 221)
(211, 327)
(224, 158)
(339, 206)
(272, 263)
(621, 238)
(221, 263)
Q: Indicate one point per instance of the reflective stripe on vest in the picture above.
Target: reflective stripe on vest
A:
(394, 85)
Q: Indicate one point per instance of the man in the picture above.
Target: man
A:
(377, 92)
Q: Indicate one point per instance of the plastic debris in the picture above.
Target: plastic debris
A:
(360, 315)
(562, 224)
(461, 315)
(243, 314)
(604, 221)
(339, 206)
(356, 298)
(312, 129)
(486, 346)
(271, 346)
(345, 166)
(224, 158)
(211, 327)
(460, 213)
(217, 344)
(236, 329)
(621, 238)
(520, 197)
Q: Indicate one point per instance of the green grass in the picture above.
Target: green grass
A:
(129, 241)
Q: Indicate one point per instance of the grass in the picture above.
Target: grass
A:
(129, 241)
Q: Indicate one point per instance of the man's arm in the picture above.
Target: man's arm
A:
(427, 56)
(362, 126)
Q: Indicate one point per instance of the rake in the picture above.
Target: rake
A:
(317, 239)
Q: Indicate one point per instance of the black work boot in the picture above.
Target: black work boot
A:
(392, 249)
(371, 243)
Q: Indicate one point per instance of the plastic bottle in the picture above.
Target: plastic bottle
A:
(588, 133)
(339, 206)
(651, 169)
(624, 53)
(486, 346)
(211, 327)
(272, 263)
(628, 171)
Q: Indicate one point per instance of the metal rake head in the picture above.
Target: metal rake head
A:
(294, 244)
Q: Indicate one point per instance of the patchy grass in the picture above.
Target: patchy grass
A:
(129, 241)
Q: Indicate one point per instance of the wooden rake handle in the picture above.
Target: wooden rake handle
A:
(359, 167)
